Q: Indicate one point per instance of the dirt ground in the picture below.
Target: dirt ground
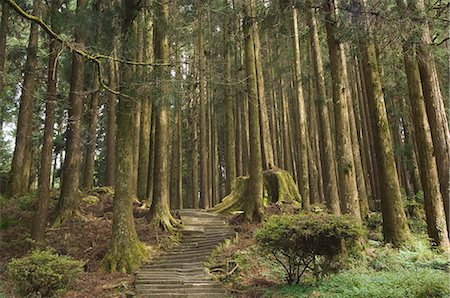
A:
(84, 238)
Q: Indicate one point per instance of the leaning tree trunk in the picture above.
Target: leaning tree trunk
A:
(20, 172)
(434, 209)
(434, 104)
(69, 202)
(125, 251)
(159, 211)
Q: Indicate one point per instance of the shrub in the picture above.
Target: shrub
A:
(307, 241)
(43, 273)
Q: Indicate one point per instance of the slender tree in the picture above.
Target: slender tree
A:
(20, 167)
(41, 213)
(69, 202)
(344, 153)
(253, 204)
(159, 210)
(125, 251)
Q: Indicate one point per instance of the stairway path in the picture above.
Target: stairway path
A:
(180, 272)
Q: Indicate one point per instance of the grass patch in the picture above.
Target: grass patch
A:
(417, 283)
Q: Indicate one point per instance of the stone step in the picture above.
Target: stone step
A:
(150, 293)
(180, 272)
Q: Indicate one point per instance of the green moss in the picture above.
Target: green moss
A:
(279, 187)
(125, 256)
(90, 200)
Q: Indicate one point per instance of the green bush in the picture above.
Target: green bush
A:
(307, 241)
(43, 273)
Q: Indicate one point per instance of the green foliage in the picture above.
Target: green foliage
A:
(307, 241)
(43, 273)
(394, 284)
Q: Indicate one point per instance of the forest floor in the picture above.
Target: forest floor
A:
(85, 238)
(377, 271)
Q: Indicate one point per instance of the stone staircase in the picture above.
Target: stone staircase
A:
(180, 272)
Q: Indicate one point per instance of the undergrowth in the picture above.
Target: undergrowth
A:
(378, 270)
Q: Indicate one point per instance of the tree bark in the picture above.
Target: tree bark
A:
(230, 154)
(330, 182)
(434, 209)
(302, 162)
(253, 204)
(344, 153)
(41, 213)
(69, 202)
(160, 211)
(434, 104)
(20, 173)
(395, 226)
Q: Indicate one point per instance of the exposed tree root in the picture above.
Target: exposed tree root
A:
(164, 219)
(279, 188)
(125, 255)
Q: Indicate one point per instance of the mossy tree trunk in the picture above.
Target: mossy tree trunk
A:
(434, 209)
(125, 252)
(160, 211)
(434, 103)
(69, 202)
(344, 154)
(20, 169)
(279, 188)
(253, 204)
(395, 226)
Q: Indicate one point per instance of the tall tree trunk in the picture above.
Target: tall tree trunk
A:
(203, 152)
(194, 155)
(302, 163)
(89, 162)
(253, 204)
(265, 140)
(3, 35)
(159, 210)
(146, 117)
(125, 251)
(111, 125)
(230, 154)
(176, 198)
(360, 181)
(434, 209)
(41, 213)
(19, 177)
(69, 202)
(434, 104)
(344, 153)
(395, 226)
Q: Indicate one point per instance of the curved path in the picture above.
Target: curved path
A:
(180, 272)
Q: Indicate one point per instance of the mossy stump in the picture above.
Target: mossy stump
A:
(279, 188)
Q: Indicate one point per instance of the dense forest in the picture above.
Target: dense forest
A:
(313, 135)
